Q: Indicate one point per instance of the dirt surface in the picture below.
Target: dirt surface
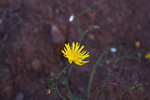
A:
(32, 33)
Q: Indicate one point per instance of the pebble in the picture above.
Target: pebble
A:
(52, 73)
(113, 50)
(36, 65)
(57, 36)
(57, 10)
(91, 37)
(71, 18)
(96, 27)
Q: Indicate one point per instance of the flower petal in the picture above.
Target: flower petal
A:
(74, 54)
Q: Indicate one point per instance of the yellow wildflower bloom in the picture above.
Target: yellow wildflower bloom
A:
(137, 44)
(48, 91)
(148, 55)
(74, 53)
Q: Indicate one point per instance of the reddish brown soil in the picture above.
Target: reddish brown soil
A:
(32, 33)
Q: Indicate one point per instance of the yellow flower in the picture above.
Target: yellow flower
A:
(148, 55)
(74, 53)
(48, 91)
(137, 44)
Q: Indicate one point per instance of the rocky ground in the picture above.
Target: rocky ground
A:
(32, 33)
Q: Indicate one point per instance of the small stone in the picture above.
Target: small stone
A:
(58, 41)
(107, 62)
(52, 73)
(36, 65)
(63, 82)
(113, 50)
(57, 36)
(19, 96)
(81, 89)
(57, 10)
(100, 65)
(91, 37)
(96, 27)
(71, 18)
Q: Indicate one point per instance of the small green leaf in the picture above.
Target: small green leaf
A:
(50, 81)
(139, 85)
(93, 6)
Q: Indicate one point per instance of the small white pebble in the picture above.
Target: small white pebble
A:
(113, 50)
(52, 73)
(63, 82)
(57, 10)
(71, 18)
(96, 27)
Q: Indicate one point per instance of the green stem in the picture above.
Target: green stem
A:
(79, 26)
(82, 35)
(126, 91)
(59, 92)
(70, 98)
(62, 71)
(78, 22)
(66, 82)
(85, 11)
(56, 81)
(92, 74)
(135, 87)
(107, 79)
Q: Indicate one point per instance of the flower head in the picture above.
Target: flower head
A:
(74, 53)
(48, 91)
(148, 55)
(137, 44)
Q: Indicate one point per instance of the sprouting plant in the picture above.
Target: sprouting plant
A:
(135, 87)
(76, 55)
